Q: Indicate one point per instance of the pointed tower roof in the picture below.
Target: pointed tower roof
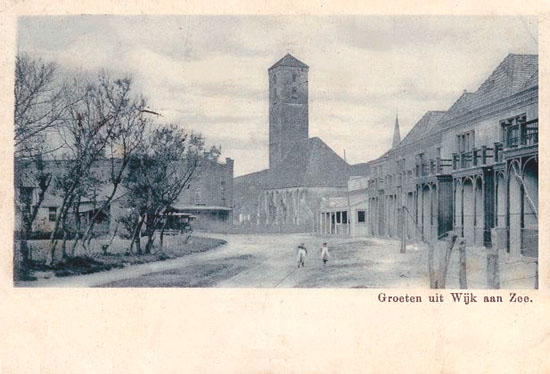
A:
(289, 60)
(396, 134)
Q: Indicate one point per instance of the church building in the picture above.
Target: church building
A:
(302, 170)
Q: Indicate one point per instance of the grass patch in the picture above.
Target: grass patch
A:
(97, 262)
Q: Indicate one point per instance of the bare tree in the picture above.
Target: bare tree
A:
(126, 138)
(91, 126)
(38, 103)
(38, 108)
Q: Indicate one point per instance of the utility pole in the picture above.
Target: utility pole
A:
(347, 192)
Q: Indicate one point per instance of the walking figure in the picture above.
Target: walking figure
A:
(302, 253)
(324, 253)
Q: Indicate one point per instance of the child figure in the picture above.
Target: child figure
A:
(302, 253)
(324, 253)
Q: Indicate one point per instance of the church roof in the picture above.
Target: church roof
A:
(289, 60)
(514, 74)
(309, 163)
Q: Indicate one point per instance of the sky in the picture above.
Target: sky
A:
(209, 73)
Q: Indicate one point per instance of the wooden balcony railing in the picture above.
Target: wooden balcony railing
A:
(477, 157)
(522, 135)
(433, 167)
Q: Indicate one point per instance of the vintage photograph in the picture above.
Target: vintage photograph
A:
(276, 151)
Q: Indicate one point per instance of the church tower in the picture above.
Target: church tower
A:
(288, 106)
(396, 134)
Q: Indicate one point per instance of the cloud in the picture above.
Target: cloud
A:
(209, 73)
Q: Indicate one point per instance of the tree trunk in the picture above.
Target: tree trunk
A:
(53, 242)
(162, 235)
(64, 244)
(150, 230)
(78, 223)
(149, 245)
(23, 245)
(21, 262)
(136, 238)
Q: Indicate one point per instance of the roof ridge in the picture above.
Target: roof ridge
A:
(289, 60)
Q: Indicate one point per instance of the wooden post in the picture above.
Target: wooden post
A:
(493, 276)
(536, 274)
(403, 231)
(462, 271)
(445, 258)
(433, 280)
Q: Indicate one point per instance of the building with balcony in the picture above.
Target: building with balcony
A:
(472, 168)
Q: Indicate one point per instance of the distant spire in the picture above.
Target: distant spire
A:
(396, 134)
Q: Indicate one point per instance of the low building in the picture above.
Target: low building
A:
(347, 214)
(209, 195)
(208, 198)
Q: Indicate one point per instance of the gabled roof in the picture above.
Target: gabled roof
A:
(289, 60)
(423, 128)
(309, 163)
(256, 178)
(247, 188)
(362, 169)
(514, 74)
(533, 81)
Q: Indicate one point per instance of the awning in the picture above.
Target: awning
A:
(201, 208)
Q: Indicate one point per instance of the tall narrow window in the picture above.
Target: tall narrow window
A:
(294, 93)
(512, 129)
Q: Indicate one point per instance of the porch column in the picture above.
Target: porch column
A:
(488, 205)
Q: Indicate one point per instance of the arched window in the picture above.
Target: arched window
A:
(294, 93)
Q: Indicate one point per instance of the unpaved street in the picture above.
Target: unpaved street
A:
(270, 261)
